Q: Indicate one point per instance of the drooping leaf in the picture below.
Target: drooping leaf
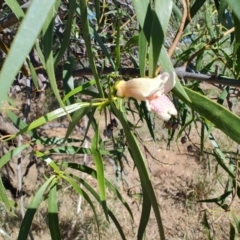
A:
(67, 32)
(100, 169)
(23, 42)
(234, 4)
(48, 55)
(53, 219)
(87, 39)
(147, 188)
(223, 119)
(11, 154)
(16, 8)
(4, 197)
(31, 210)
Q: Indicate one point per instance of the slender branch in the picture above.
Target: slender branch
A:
(180, 71)
(182, 74)
(208, 46)
(188, 12)
(180, 30)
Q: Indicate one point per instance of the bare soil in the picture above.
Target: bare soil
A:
(181, 177)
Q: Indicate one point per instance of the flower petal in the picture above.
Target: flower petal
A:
(169, 82)
(162, 106)
(142, 88)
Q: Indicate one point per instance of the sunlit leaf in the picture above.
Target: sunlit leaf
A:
(53, 219)
(31, 210)
(11, 154)
(23, 42)
(147, 188)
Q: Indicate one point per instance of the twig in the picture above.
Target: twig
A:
(208, 46)
(180, 30)
(180, 71)
(182, 74)
(126, 23)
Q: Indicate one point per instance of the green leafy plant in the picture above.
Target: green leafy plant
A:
(99, 29)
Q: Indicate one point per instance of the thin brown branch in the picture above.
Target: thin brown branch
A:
(188, 12)
(180, 71)
(208, 46)
(182, 74)
(178, 34)
(180, 30)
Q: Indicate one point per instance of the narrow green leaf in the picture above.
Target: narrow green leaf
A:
(20, 124)
(232, 232)
(97, 197)
(202, 138)
(3, 196)
(40, 53)
(217, 114)
(23, 42)
(27, 220)
(79, 89)
(100, 168)
(145, 214)
(53, 220)
(220, 157)
(117, 48)
(86, 36)
(103, 47)
(67, 32)
(206, 226)
(16, 8)
(132, 42)
(237, 39)
(234, 4)
(52, 164)
(48, 56)
(141, 9)
(236, 222)
(84, 194)
(76, 117)
(223, 5)
(79, 150)
(51, 116)
(209, 20)
(161, 15)
(194, 10)
(57, 140)
(218, 199)
(139, 161)
(156, 41)
(142, 42)
(93, 173)
(12, 153)
(148, 119)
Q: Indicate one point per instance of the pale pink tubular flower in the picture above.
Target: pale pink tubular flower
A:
(152, 91)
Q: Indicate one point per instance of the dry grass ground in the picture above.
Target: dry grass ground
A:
(180, 177)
